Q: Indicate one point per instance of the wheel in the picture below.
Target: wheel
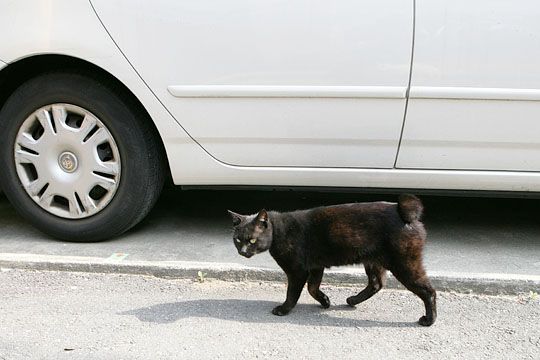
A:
(78, 160)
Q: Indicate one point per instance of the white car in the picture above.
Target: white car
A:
(101, 100)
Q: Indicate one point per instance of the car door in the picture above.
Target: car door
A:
(475, 90)
(275, 82)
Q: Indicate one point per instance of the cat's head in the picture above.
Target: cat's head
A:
(252, 233)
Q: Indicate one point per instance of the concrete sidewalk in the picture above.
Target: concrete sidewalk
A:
(474, 244)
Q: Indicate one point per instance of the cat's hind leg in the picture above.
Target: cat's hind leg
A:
(376, 279)
(295, 284)
(414, 277)
(314, 282)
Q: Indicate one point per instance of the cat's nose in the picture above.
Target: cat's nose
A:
(243, 250)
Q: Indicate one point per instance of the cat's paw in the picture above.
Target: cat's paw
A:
(424, 321)
(352, 301)
(280, 310)
(325, 302)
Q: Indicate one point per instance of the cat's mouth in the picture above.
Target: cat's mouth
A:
(246, 255)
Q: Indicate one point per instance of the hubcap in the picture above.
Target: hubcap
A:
(67, 161)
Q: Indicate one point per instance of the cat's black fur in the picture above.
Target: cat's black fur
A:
(383, 236)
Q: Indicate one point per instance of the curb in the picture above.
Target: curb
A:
(480, 283)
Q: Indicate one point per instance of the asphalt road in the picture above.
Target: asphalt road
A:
(62, 315)
(465, 235)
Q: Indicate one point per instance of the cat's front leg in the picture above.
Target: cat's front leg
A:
(314, 282)
(295, 284)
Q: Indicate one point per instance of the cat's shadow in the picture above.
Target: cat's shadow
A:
(252, 311)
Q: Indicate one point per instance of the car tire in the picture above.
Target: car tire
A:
(131, 151)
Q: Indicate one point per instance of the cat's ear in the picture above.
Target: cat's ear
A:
(236, 218)
(262, 217)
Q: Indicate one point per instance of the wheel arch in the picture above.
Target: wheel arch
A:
(16, 73)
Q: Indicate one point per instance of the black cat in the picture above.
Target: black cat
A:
(381, 235)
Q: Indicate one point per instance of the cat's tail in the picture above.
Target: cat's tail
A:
(410, 208)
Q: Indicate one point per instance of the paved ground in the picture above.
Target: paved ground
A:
(62, 315)
(466, 235)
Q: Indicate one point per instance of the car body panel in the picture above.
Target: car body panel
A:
(278, 82)
(189, 167)
(41, 29)
(46, 27)
(475, 88)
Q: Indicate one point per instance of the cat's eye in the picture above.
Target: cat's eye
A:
(237, 240)
(253, 241)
